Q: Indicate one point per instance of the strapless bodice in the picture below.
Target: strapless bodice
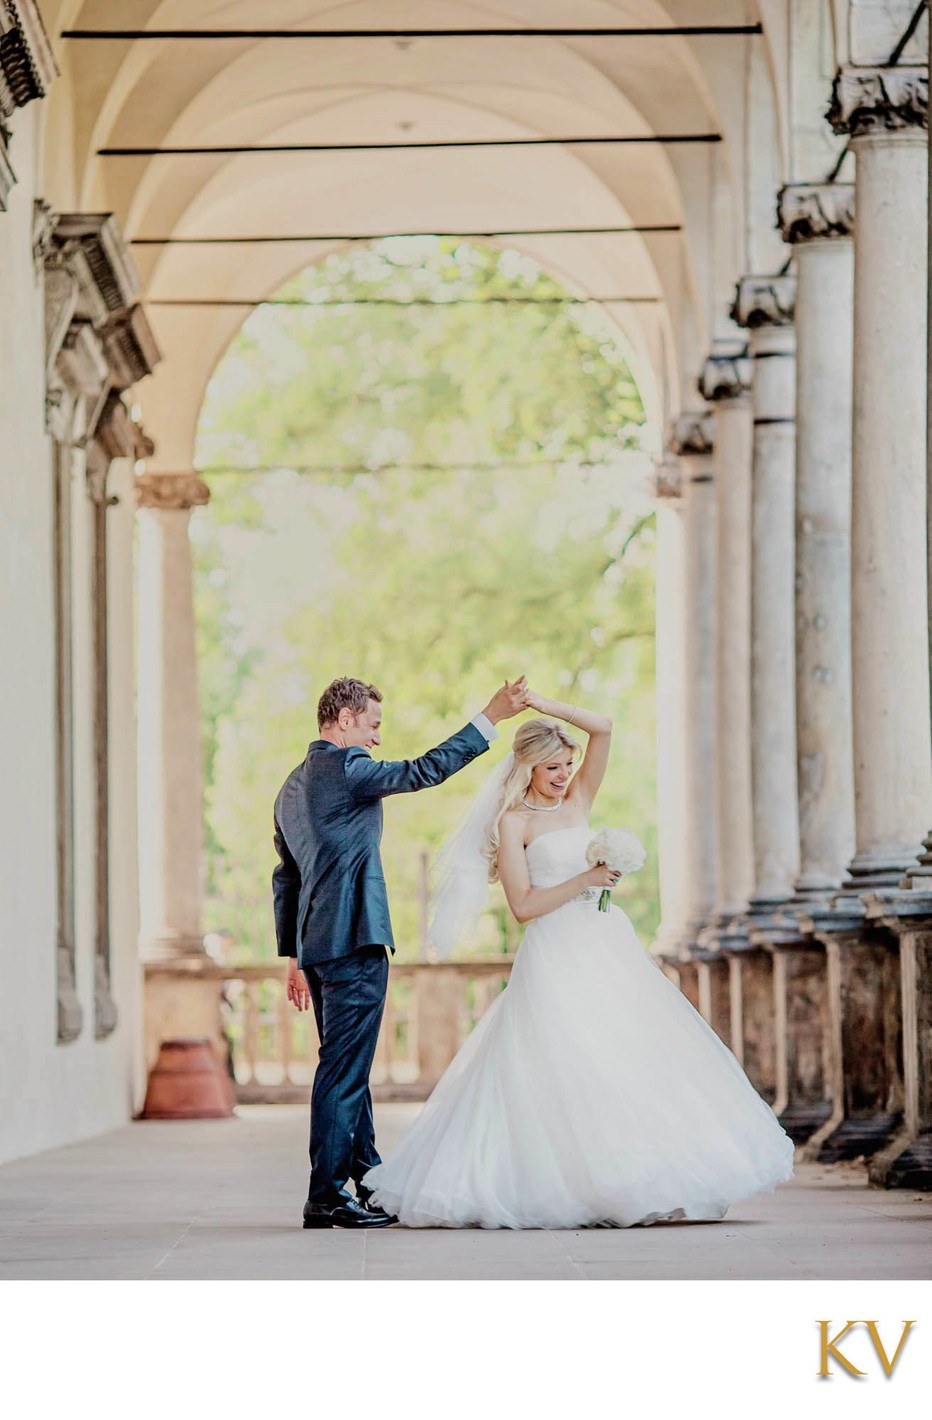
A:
(558, 854)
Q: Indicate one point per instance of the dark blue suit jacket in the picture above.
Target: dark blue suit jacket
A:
(329, 889)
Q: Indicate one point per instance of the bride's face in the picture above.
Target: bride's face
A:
(551, 779)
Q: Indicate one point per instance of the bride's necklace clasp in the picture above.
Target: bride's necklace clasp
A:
(542, 808)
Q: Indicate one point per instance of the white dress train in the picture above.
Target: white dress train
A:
(591, 1092)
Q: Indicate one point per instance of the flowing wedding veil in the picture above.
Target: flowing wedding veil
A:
(460, 876)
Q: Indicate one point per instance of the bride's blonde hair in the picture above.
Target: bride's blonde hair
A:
(535, 742)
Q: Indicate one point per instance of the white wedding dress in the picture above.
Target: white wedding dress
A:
(591, 1092)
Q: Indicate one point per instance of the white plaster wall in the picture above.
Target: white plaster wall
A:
(53, 1093)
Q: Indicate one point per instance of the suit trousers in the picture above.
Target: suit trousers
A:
(348, 994)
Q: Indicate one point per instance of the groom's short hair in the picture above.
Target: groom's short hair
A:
(347, 693)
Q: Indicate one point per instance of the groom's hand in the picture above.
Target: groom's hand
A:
(298, 990)
(510, 700)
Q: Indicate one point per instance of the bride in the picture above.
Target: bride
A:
(591, 1092)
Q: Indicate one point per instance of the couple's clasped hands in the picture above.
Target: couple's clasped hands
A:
(513, 697)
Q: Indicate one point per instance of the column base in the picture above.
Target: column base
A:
(714, 992)
(865, 1070)
(801, 1030)
(871, 872)
(919, 877)
(905, 1164)
(853, 1139)
(772, 924)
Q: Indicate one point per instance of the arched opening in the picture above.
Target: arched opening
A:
(429, 472)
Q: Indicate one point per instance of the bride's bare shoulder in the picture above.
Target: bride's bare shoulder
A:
(513, 825)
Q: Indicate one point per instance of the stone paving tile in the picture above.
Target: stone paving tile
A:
(222, 1199)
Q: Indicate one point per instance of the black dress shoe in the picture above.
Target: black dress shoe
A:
(376, 1211)
(345, 1215)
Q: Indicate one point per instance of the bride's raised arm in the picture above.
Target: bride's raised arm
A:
(591, 772)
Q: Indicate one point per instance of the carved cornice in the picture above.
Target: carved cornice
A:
(118, 434)
(90, 304)
(171, 491)
(691, 435)
(130, 346)
(808, 212)
(93, 242)
(7, 175)
(887, 100)
(668, 479)
(726, 374)
(27, 65)
(764, 300)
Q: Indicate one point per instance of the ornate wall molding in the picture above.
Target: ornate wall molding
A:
(868, 101)
(691, 435)
(27, 70)
(98, 338)
(171, 491)
(726, 374)
(764, 300)
(808, 212)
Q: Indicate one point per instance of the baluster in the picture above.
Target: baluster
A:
(252, 1029)
(285, 1027)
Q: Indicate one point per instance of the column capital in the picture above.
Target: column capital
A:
(765, 300)
(171, 491)
(879, 100)
(726, 374)
(691, 434)
(814, 211)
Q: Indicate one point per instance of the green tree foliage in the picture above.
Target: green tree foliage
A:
(433, 583)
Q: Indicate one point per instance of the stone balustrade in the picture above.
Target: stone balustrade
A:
(429, 1011)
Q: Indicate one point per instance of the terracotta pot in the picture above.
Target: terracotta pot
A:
(188, 1082)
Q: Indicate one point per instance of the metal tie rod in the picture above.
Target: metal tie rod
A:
(234, 148)
(644, 229)
(537, 32)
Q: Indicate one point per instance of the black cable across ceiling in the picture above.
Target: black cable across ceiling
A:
(226, 149)
(643, 229)
(539, 32)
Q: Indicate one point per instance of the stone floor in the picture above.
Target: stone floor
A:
(222, 1199)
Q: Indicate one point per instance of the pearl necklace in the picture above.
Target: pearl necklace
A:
(541, 808)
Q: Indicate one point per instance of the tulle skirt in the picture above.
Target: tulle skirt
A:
(590, 1093)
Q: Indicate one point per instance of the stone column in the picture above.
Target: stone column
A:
(671, 713)
(725, 384)
(691, 443)
(818, 221)
(182, 986)
(885, 113)
(740, 1000)
(765, 306)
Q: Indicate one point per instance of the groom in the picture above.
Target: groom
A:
(332, 922)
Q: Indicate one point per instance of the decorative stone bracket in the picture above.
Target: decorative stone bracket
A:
(868, 100)
(27, 69)
(726, 374)
(98, 339)
(171, 491)
(809, 212)
(691, 435)
(764, 300)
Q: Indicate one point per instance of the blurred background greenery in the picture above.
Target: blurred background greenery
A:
(432, 498)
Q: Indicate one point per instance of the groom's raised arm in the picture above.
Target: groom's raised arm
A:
(369, 778)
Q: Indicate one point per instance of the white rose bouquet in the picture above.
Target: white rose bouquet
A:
(618, 849)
